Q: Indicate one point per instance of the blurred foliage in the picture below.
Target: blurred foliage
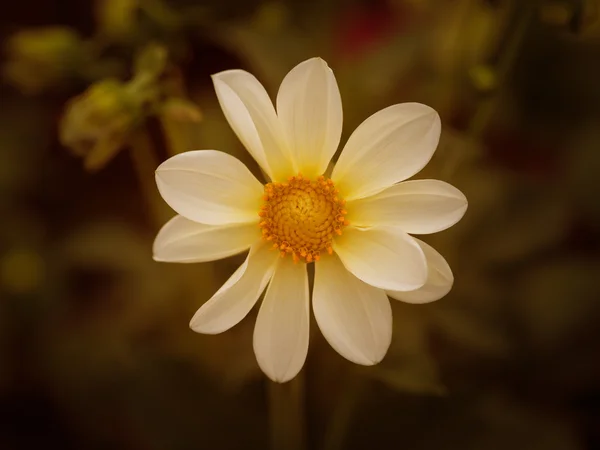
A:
(41, 58)
(100, 122)
(95, 351)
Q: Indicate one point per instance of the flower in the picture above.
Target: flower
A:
(354, 224)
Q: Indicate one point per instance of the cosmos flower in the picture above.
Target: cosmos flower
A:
(353, 224)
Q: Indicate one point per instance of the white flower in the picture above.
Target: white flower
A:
(354, 224)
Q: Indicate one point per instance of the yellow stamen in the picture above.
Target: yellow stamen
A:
(302, 216)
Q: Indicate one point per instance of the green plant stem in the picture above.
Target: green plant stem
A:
(351, 393)
(286, 411)
(487, 107)
(176, 136)
(145, 163)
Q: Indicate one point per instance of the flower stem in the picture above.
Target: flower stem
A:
(286, 411)
(353, 388)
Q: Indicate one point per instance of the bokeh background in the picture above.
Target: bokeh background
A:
(95, 349)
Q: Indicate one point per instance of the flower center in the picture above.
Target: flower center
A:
(302, 216)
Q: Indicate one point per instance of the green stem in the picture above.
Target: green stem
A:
(351, 394)
(176, 135)
(523, 14)
(286, 411)
(485, 112)
(145, 163)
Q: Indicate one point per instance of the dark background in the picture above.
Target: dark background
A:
(95, 349)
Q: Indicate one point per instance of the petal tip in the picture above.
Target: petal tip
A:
(159, 169)
(361, 357)
(197, 326)
(219, 75)
(281, 378)
(217, 81)
(426, 111)
(317, 59)
(366, 361)
(426, 108)
(318, 63)
(373, 361)
(194, 325)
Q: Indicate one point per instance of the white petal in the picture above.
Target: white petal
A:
(390, 146)
(310, 108)
(355, 318)
(281, 331)
(250, 113)
(210, 187)
(439, 279)
(184, 241)
(385, 257)
(419, 207)
(238, 295)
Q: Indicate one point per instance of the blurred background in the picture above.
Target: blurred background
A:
(95, 349)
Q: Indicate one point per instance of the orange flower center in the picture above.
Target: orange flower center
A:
(302, 216)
